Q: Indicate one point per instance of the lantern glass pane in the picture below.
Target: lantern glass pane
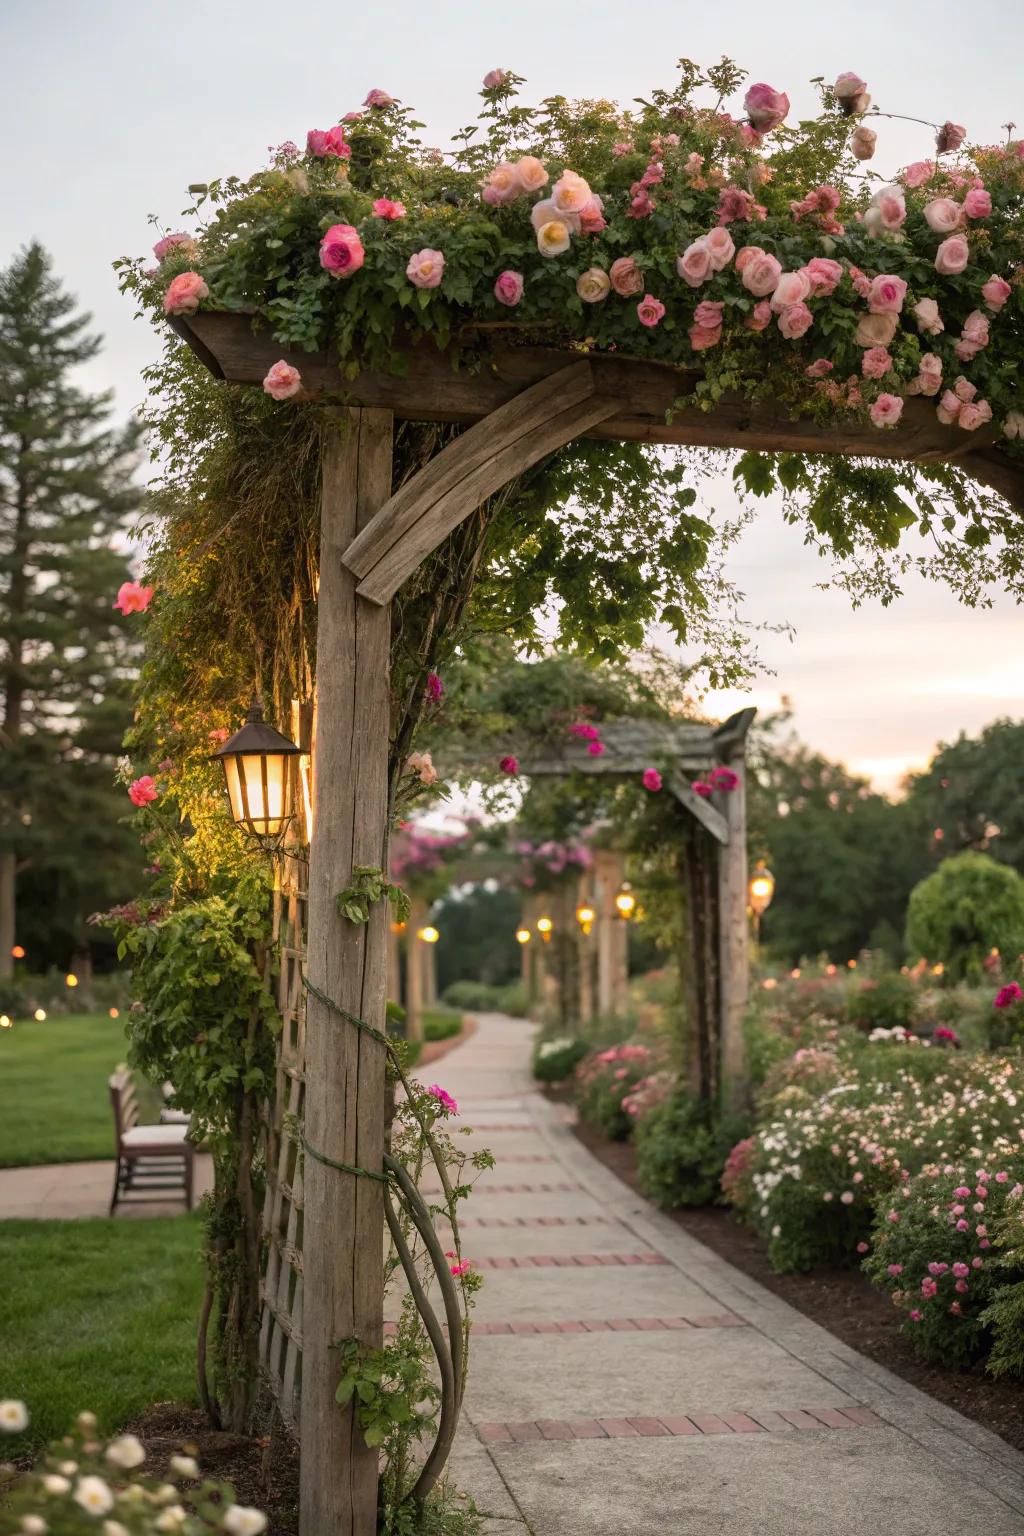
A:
(256, 790)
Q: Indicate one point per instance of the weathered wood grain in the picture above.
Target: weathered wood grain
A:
(345, 1080)
(733, 933)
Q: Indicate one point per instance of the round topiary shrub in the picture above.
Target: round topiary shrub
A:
(970, 906)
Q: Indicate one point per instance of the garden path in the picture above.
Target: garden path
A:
(624, 1379)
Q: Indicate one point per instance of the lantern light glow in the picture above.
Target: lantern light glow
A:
(625, 901)
(429, 935)
(256, 775)
(523, 935)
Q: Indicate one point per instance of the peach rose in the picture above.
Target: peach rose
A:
(795, 321)
(570, 194)
(425, 268)
(876, 330)
(930, 374)
(625, 277)
(701, 338)
(282, 381)
(875, 363)
(970, 417)
(745, 255)
(791, 288)
(819, 368)
(554, 238)
(952, 256)
(545, 212)
(179, 242)
(184, 293)
(695, 265)
(948, 408)
(708, 314)
(943, 215)
(531, 172)
(593, 285)
(761, 273)
(886, 410)
(862, 142)
(929, 321)
(592, 219)
(502, 186)
(720, 246)
(918, 173)
(964, 389)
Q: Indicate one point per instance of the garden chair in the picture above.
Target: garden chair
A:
(149, 1157)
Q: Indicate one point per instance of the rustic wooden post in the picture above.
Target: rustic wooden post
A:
(394, 960)
(734, 960)
(345, 1079)
(414, 969)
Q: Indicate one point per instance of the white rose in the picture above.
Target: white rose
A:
(593, 285)
(127, 1452)
(13, 1416)
(94, 1496)
(240, 1521)
(54, 1484)
(172, 1519)
(553, 238)
(184, 1466)
(34, 1525)
(114, 1528)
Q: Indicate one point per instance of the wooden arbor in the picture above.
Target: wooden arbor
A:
(526, 403)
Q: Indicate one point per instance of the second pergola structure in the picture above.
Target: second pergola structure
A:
(524, 404)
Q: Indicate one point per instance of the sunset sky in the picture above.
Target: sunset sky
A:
(111, 108)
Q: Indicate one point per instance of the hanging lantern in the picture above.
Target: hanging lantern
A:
(523, 935)
(429, 935)
(18, 952)
(625, 901)
(761, 888)
(585, 917)
(255, 762)
(545, 927)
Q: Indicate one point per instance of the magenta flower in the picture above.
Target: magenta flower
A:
(700, 788)
(435, 687)
(724, 779)
(596, 748)
(1011, 993)
(584, 731)
(509, 764)
(652, 780)
(445, 1100)
(142, 791)
(915, 1315)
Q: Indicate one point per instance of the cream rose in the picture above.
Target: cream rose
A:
(929, 321)
(531, 173)
(876, 330)
(593, 285)
(626, 277)
(943, 215)
(553, 238)
(570, 194)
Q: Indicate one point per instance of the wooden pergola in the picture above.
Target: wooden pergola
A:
(521, 405)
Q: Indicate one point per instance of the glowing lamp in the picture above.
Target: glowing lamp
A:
(18, 952)
(429, 935)
(585, 917)
(545, 927)
(255, 762)
(523, 935)
(39, 1015)
(115, 1013)
(70, 980)
(625, 901)
(5, 1022)
(761, 888)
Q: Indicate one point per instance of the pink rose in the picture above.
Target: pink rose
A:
(502, 186)
(978, 203)
(341, 251)
(651, 311)
(720, 246)
(964, 389)
(509, 764)
(876, 330)
(943, 215)
(695, 265)
(385, 208)
(886, 211)
(425, 268)
(570, 194)
(886, 295)
(862, 142)
(886, 410)
(948, 408)
(379, 99)
(760, 272)
(132, 598)
(952, 256)
(173, 243)
(531, 173)
(819, 368)
(708, 314)
(851, 93)
(652, 780)
(950, 136)
(329, 144)
(970, 417)
(976, 329)
(765, 107)
(760, 316)
(625, 277)
(929, 321)
(791, 288)
(508, 288)
(593, 285)
(142, 791)
(1013, 426)
(824, 275)
(592, 219)
(795, 321)
(701, 337)
(930, 374)
(282, 381)
(875, 363)
(184, 293)
(917, 174)
(996, 292)
(494, 78)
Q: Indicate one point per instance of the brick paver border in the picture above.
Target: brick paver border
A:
(568, 1260)
(468, 1222)
(598, 1325)
(512, 1189)
(648, 1426)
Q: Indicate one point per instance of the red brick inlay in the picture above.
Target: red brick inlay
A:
(534, 1221)
(601, 1325)
(646, 1426)
(511, 1189)
(568, 1261)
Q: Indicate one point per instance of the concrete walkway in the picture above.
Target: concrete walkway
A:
(62, 1191)
(625, 1381)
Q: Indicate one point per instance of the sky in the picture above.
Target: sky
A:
(108, 109)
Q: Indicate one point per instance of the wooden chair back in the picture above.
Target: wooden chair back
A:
(124, 1100)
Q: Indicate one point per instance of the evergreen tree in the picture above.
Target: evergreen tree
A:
(66, 655)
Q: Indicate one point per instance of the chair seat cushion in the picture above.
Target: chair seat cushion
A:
(175, 1117)
(166, 1138)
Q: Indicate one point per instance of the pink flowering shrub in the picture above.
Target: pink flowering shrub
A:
(604, 1080)
(938, 1259)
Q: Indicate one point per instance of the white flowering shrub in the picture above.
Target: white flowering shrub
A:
(85, 1485)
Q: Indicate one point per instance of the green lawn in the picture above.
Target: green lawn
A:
(99, 1315)
(54, 1103)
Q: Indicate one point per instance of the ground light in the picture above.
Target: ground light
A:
(114, 1013)
(39, 1015)
(5, 1022)
(585, 917)
(625, 901)
(256, 776)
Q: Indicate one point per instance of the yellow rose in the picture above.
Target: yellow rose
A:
(553, 238)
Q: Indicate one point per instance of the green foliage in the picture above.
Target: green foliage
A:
(480, 997)
(477, 942)
(392, 1391)
(889, 1001)
(369, 886)
(556, 1058)
(970, 792)
(681, 1149)
(968, 907)
(604, 1080)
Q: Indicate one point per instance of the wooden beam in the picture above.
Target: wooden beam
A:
(733, 939)
(645, 394)
(700, 808)
(345, 1079)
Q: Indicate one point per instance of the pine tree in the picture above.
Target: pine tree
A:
(66, 490)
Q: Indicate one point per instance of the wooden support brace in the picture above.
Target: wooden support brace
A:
(706, 814)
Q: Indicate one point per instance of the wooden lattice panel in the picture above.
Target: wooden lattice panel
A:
(281, 1324)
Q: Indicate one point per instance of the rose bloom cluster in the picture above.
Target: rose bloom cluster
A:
(906, 277)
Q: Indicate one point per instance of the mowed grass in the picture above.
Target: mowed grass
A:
(54, 1101)
(97, 1314)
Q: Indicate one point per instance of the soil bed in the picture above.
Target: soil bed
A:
(841, 1300)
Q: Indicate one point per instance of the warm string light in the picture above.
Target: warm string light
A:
(585, 917)
(625, 901)
(523, 935)
(429, 935)
(545, 928)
